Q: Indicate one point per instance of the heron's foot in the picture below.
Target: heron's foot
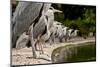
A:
(36, 53)
(37, 49)
(41, 52)
(45, 57)
(34, 56)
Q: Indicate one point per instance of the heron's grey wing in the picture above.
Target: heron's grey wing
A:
(39, 28)
(25, 14)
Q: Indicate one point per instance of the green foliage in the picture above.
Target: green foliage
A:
(59, 17)
(83, 17)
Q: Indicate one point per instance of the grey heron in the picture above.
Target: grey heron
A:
(53, 31)
(25, 14)
(74, 34)
(56, 31)
(65, 33)
(60, 32)
(47, 19)
(28, 13)
(69, 33)
(39, 31)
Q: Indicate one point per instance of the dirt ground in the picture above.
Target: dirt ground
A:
(24, 55)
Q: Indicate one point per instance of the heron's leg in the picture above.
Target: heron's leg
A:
(66, 39)
(41, 48)
(36, 45)
(33, 48)
(50, 41)
(60, 40)
(54, 40)
(69, 38)
(33, 42)
(44, 45)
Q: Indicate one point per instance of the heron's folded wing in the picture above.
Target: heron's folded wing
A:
(25, 14)
(39, 28)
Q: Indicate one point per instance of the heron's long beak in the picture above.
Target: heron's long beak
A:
(55, 10)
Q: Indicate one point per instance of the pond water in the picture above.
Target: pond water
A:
(75, 53)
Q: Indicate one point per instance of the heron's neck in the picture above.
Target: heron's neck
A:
(75, 31)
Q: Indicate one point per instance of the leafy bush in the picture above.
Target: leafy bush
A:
(78, 17)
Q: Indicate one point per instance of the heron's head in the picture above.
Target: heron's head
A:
(70, 30)
(66, 28)
(55, 10)
(76, 30)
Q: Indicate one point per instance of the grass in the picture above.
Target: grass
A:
(76, 53)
